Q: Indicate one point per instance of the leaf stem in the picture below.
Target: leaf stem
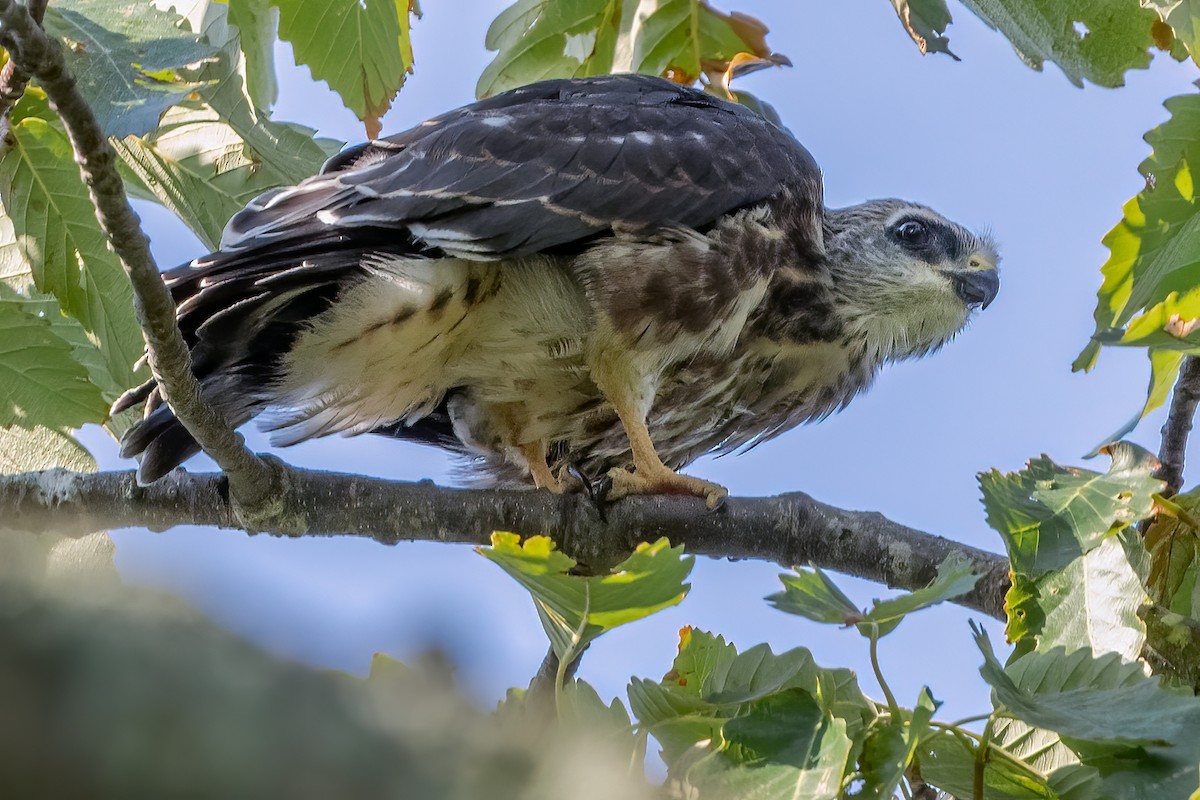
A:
(893, 706)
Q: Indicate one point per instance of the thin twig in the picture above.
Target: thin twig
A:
(790, 529)
(1179, 424)
(253, 482)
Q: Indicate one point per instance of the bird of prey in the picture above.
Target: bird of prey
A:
(606, 276)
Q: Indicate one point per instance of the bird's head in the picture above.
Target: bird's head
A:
(907, 278)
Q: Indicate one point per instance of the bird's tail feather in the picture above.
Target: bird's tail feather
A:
(239, 312)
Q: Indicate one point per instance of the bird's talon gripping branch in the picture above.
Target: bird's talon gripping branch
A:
(665, 481)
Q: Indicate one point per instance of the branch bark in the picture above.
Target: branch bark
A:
(13, 79)
(789, 529)
(32, 53)
(1179, 424)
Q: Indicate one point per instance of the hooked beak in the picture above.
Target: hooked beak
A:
(977, 287)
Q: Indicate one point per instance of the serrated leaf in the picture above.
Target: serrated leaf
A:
(1164, 369)
(1135, 711)
(1091, 603)
(256, 22)
(890, 748)
(40, 384)
(1155, 248)
(58, 237)
(1050, 515)
(1173, 581)
(710, 683)
(784, 747)
(926, 22)
(680, 39)
(575, 609)
(361, 49)
(1094, 40)
(581, 709)
(125, 55)
(813, 595)
(38, 448)
(209, 157)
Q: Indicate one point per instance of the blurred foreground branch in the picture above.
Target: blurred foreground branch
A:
(789, 529)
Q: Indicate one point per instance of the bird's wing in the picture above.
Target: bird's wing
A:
(542, 167)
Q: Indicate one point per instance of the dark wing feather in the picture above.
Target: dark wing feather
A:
(545, 166)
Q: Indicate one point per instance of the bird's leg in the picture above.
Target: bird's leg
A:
(650, 475)
(535, 455)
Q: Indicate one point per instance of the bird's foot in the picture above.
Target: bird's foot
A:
(665, 481)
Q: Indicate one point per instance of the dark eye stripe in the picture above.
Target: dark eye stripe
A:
(942, 243)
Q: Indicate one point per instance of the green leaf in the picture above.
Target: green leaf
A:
(40, 384)
(948, 762)
(581, 709)
(1143, 738)
(811, 594)
(1174, 546)
(786, 746)
(360, 48)
(209, 157)
(1091, 603)
(125, 55)
(926, 22)
(1133, 710)
(39, 447)
(575, 609)
(711, 683)
(1175, 640)
(59, 238)
(1094, 40)
(1155, 248)
(689, 38)
(890, 747)
(1050, 515)
(682, 39)
(538, 39)
(256, 22)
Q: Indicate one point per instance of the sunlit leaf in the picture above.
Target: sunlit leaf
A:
(575, 609)
(1183, 17)
(1094, 40)
(39, 447)
(680, 39)
(1154, 261)
(1050, 515)
(1091, 602)
(361, 48)
(812, 594)
(926, 22)
(125, 55)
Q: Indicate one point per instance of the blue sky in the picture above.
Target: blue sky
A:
(988, 142)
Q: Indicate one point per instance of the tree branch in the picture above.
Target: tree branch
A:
(13, 79)
(790, 529)
(1179, 424)
(32, 53)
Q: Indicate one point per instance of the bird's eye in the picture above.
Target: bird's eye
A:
(912, 232)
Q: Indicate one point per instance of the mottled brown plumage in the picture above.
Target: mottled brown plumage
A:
(597, 273)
